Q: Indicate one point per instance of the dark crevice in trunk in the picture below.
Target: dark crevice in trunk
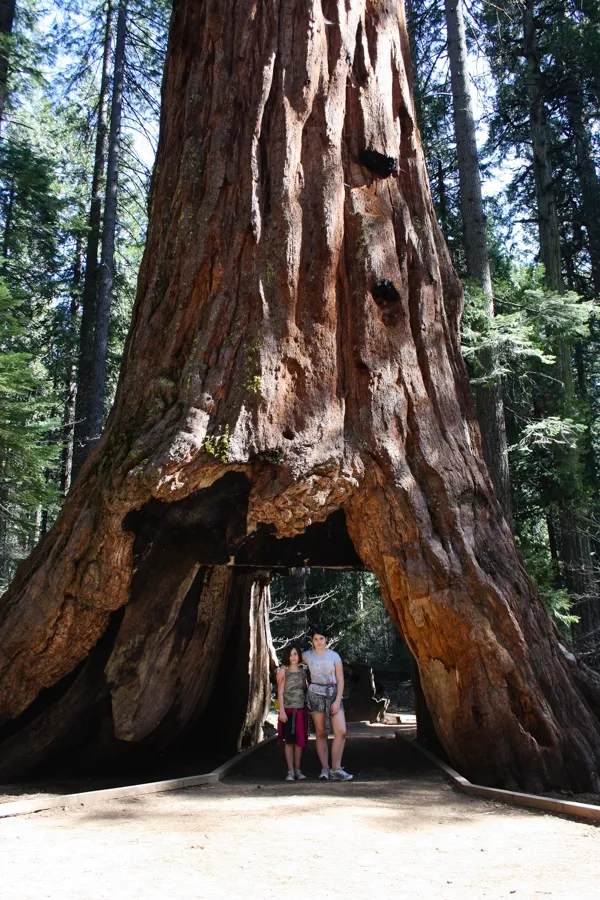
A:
(62, 718)
(208, 528)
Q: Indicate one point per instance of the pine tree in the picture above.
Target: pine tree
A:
(25, 453)
(107, 262)
(531, 117)
(487, 387)
(7, 18)
(135, 61)
(83, 429)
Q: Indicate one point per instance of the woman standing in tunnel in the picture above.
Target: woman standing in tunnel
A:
(325, 704)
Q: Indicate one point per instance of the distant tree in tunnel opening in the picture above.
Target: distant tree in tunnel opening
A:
(348, 604)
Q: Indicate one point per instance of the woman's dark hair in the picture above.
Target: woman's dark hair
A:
(286, 653)
(317, 628)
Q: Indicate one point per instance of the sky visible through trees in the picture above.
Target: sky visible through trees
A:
(535, 89)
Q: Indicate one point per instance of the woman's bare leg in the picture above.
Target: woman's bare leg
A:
(322, 748)
(297, 756)
(339, 739)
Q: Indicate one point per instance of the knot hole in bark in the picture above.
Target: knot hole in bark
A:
(385, 292)
(381, 165)
(386, 296)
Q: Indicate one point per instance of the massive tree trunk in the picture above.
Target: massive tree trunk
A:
(488, 389)
(292, 393)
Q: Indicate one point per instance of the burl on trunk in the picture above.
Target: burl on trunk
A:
(292, 392)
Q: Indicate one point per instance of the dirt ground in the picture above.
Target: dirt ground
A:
(397, 831)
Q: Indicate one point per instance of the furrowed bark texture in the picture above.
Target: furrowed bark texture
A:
(293, 375)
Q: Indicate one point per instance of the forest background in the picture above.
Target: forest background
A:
(508, 102)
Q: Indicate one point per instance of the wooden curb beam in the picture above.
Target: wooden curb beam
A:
(59, 801)
(587, 811)
(571, 808)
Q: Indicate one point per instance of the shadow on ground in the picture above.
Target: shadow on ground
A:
(372, 754)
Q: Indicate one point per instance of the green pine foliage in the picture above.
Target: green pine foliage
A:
(530, 323)
(27, 449)
(46, 161)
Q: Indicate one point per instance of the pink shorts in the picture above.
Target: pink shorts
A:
(301, 735)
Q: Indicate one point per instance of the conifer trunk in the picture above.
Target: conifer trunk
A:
(83, 430)
(7, 18)
(107, 263)
(488, 389)
(549, 233)
(292, 393)
(66, 468)
(587, 176)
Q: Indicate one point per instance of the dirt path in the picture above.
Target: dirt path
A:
(397, 831)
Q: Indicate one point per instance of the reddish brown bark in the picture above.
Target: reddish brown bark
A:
(293, 360)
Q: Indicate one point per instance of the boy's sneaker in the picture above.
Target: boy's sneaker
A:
(324, 776)
(290, 776)
(300, 776)
(340, 775)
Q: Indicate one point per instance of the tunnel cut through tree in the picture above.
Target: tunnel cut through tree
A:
(293, 364)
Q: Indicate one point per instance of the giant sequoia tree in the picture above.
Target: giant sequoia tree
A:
(292, 392)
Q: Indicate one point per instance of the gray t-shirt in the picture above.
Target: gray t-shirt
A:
(322, 668)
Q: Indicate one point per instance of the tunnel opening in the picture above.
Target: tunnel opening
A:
(183, 676)
(378, 665)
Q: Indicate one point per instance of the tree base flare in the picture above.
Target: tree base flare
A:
(292, 389)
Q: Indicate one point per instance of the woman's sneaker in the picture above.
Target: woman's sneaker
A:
(340, 775)
(324, 776)
(300, 776)
(290, 776)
